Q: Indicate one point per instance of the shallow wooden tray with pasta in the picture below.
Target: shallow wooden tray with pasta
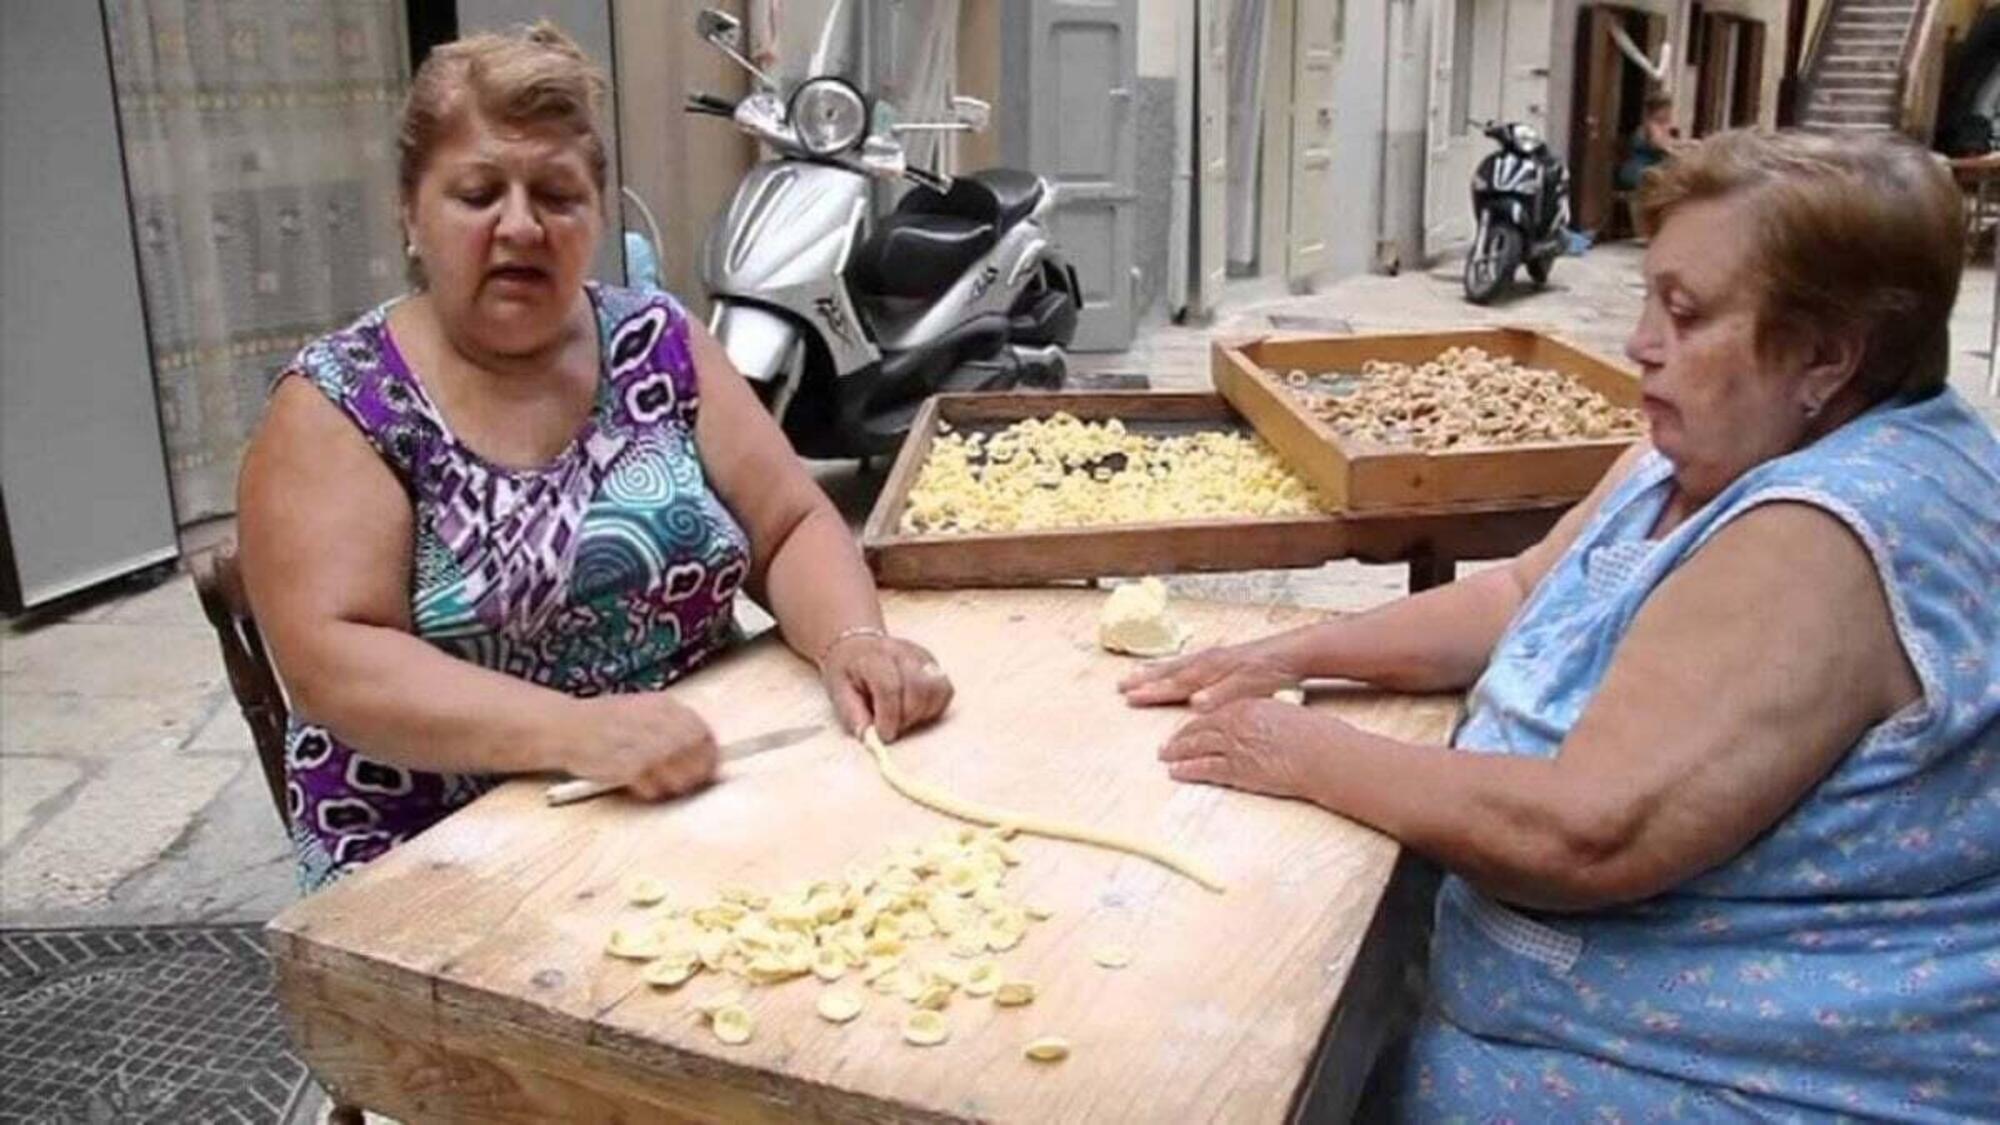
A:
(1286, 386)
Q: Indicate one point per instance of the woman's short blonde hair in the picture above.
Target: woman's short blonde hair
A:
(1862, 231)
(531, 76)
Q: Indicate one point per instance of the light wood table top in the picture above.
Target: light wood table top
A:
(463, 975)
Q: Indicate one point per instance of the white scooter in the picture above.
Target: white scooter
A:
(845, 331)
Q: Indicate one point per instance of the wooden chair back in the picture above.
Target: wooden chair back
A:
(253, 679)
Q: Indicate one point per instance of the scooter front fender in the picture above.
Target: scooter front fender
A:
(759, 342)
(782, 243)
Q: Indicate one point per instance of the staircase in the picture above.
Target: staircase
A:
(1854, 83)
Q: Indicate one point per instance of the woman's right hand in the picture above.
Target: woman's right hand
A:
(650, 744)
(1210, 678)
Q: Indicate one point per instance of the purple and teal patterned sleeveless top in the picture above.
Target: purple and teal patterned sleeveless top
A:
(1846, 963)
(613, 568)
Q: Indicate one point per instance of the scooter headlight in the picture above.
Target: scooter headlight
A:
(829, 116)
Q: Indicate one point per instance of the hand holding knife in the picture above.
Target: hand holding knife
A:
(580, 789)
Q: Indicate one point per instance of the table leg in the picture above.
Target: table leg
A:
(1429, 569)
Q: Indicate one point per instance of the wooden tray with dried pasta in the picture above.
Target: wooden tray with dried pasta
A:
(1004, 489)
(1421, 419)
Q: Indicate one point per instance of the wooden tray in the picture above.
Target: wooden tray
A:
(1358, 475)
(1025, 557)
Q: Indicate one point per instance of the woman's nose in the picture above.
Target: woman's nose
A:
(1643, 345)
(518, 222)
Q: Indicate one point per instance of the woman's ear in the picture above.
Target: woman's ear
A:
(1831, 362)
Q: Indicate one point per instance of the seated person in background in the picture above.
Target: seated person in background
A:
(486, 523)
(1722, 821)
(1652, 142)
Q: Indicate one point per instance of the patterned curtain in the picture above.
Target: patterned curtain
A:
(260, 148)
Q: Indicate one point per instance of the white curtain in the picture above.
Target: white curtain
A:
(260, 150)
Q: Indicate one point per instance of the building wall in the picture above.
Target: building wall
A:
(1772, 13)
(684, 166)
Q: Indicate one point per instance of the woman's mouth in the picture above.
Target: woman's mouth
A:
(518, 275)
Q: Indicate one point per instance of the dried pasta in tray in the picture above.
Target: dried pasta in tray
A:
(1464, 398)
(1061, 471)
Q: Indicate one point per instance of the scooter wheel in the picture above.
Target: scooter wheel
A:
(1491, 264)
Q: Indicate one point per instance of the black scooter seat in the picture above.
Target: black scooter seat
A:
(932, 238)
(1001, 196)
(917, 256)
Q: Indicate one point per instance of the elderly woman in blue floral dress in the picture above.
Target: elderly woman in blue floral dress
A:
(1722, 824)
(485, 524)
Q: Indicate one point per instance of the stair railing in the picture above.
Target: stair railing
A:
(1809, 57)
(1920, 72)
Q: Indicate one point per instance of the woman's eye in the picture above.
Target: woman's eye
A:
(477, 197)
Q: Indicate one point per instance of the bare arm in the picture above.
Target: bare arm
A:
(1745, 678)
(1439, 640)
(327, 537)
(805, 566)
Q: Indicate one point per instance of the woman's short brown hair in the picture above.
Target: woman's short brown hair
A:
(1859, 230)
(533, 75)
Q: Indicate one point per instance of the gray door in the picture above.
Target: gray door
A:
(1316, 48)
(1072, 76)
(82, 471)
(1211, 144)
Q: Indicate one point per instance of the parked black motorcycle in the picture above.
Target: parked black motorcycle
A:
(1520, 195)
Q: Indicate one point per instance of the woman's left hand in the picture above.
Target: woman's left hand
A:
(1259, 745)
(884, 682)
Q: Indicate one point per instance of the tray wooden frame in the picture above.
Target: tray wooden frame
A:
(1359, 476)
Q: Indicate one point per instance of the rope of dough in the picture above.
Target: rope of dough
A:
(937, 800)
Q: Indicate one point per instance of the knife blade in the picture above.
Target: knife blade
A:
(579, 789)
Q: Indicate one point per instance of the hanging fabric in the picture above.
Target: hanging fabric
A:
(260, 153)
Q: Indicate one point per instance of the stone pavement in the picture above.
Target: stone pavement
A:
(129, 790)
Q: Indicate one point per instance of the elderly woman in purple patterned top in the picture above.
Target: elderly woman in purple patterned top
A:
(502, 180)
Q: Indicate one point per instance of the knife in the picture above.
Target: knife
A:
(578, 789)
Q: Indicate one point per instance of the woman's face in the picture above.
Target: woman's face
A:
(505, 220)
(1715, 405)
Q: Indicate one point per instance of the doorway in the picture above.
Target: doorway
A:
(1610, 99)
(1727, 55)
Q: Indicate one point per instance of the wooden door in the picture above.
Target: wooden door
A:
(1524, 64)
(1748, 102)
(1454, 147)
(1081, 80)
(1594, 140)
(1316, 40)
(1713, 76)
(1211, 154)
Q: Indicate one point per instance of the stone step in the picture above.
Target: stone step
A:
(1864, 35)
(1817, 116)
(1837, 95)
(1869, 19)
(1824, 127)
(1883, 80)
(1849, 63)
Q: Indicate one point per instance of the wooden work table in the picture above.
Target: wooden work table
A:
(462, 977)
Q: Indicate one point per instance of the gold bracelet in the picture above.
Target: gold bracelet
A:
(848, 634)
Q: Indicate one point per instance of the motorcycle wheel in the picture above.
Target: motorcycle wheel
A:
(1491, 264)
(1539, 270)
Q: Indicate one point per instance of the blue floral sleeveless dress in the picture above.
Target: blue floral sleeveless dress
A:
(1844, 965)
(613, 568)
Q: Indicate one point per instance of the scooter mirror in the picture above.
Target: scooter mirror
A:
(720, 28)
(970, 112)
